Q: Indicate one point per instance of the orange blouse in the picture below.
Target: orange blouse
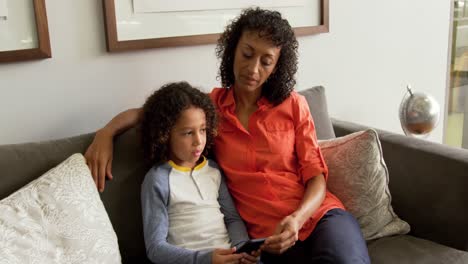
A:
(267, 166)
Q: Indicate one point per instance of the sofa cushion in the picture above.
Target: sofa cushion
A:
(317, 101)
(413, 184)
(359, 177)
(57, 218)
(405, 249)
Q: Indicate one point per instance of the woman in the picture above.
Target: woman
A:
(267, 148)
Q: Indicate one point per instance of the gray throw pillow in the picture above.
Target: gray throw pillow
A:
(317, 101)
(359, 177)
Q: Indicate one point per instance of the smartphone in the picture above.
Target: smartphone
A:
(251, 245)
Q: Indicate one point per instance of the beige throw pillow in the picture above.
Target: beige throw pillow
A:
(57, 218)
(359, 177)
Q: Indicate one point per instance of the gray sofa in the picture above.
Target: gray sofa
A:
(427, 183)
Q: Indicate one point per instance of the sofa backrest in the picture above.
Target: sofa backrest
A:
(22, 163)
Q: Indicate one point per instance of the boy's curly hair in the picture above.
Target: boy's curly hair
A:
(160, 113)
(271, 26)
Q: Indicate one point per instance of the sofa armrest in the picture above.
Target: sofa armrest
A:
(428, 184)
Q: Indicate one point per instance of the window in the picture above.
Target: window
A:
(457, 119)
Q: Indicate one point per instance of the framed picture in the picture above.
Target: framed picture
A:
(142, 24)
(24, 33)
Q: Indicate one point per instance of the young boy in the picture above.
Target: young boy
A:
(188, 214)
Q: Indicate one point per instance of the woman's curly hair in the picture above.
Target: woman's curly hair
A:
(161, 111)
(271, 26)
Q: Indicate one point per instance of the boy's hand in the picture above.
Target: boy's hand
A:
(253, 258)
(225, 256)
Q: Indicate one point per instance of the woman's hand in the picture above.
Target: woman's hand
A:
(99, 157)
(286, 235)
(225, 256)
(99, 153)
(251, 258)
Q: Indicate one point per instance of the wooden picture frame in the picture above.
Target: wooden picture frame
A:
(116, 45)
(43, 49)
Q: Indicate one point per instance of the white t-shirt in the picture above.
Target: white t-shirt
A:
(195, 218)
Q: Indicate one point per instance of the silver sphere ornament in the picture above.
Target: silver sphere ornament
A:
(419, 113)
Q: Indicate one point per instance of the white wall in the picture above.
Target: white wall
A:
(374, 49)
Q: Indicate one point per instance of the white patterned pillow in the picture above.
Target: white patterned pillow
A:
(57, 218)
(358, 176)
